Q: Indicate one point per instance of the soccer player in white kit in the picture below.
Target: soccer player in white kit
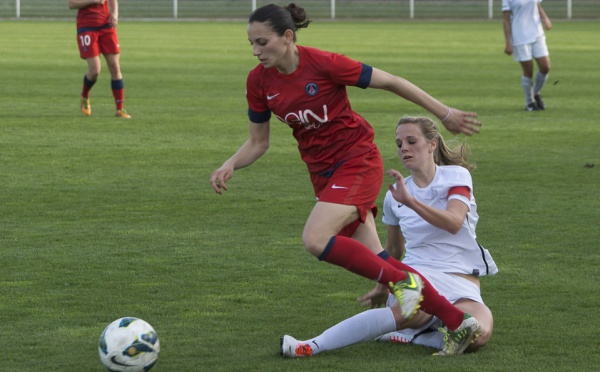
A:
(525, 40)
(434, 211)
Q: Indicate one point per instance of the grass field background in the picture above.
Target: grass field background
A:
(102, 218)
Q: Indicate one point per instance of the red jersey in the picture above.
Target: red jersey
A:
(313, 102)
(93, 16)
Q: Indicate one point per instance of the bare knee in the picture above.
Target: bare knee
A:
(316, 245)
(486, 335)
(93, 74)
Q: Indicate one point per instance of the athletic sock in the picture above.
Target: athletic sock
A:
(118, 92)
(433, 339)
(360, 328)
(87, 86)
(527, 89)
(355, 257)
(540, 80)
(433, 303)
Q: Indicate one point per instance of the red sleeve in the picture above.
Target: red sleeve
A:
(460, 190)
(345, 71)
(254, 94)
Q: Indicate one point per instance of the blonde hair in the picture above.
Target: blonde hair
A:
(443, 153)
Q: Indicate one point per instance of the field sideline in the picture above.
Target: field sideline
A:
(102, 218)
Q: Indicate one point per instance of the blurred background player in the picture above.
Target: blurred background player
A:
(434, 211)
(525, 40)
(96, 34)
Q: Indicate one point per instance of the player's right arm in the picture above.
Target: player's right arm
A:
(80, 4)
(254, 147)
(508, 48)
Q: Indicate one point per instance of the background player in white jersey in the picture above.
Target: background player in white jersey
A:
(434, 210)
(525, 40)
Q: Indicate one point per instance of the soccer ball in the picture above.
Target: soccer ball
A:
(129, 345)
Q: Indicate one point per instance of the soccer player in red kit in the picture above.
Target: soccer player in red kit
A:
(306, 89)
(97, 34)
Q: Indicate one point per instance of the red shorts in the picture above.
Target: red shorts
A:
(92, 43)
(356, 181)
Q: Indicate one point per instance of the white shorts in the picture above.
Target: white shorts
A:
(527, 52)
(453, 287)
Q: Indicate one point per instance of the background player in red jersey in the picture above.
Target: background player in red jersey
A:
(97, 34)
(306, 89)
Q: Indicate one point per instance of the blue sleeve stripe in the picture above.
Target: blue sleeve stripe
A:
(259, 117)
(365, 76)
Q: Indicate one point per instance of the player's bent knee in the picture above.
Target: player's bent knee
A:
(486, 335)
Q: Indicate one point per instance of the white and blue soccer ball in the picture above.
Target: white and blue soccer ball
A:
(129, 345)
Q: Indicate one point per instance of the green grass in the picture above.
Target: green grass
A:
(102, 218)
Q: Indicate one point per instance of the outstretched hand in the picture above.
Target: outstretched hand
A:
(219, 178)
(461, 122)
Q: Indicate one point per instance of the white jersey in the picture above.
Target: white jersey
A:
(431, 247)
(525, 23)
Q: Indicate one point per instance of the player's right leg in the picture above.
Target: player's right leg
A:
(89, 79)
(87, 42)
(321, 239)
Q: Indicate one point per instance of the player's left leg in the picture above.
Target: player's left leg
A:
(540, 79)
(483, 315)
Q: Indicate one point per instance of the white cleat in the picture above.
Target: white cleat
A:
(292, 348)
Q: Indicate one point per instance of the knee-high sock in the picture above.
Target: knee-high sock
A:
(360, 328)
(355, 257)
(527, 84)
(433, 303)
(540, 80)
(433, 339)
(118, 92)
(87, 86)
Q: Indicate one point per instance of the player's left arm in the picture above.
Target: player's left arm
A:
(113, 20)
(545, 19)
(450, 219)
(456, 121)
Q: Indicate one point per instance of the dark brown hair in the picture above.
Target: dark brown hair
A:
(281, 19)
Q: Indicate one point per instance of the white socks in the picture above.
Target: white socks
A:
(527, 84)
(360, 328)
(433, 339)
(530, 88)
(540, 80)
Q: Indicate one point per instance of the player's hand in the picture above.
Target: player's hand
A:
(462, 122)
(219, 178)
(400, 193)
(508, 49)
(113, 20)
(377, 297)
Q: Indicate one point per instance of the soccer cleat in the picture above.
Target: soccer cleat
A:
(455, 342)
(122, 114)
(532, 106)
(86, 109)
(408, 294)
(539, 102)
(292, 348)
(395, 337)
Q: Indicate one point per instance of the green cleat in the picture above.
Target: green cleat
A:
(455, 342)
(408, 293)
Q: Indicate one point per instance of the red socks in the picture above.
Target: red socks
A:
(118, 92)
(355, 257)
(433, 302)
(87, 86)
